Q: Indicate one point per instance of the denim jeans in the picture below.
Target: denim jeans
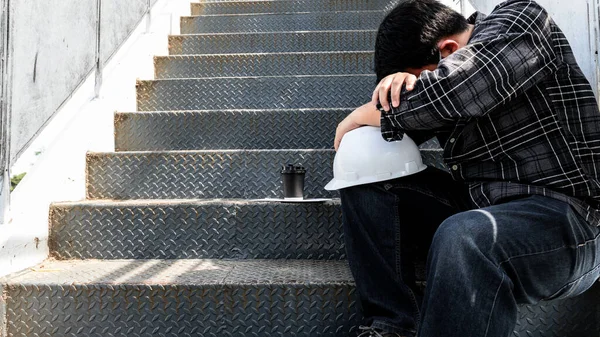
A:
(480, 263)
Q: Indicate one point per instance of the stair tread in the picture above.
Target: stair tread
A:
(328, 31)
(196, 229)
(248, 174)
(270, 6)
(278, 53)
(378, 11)
(263, 64)
(229, 129)
(199, 152)
(255, 92)
(174, 202)
(285, 41)
(252, 22)
(183, 272)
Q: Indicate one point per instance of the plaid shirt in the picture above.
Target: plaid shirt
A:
(513, 111)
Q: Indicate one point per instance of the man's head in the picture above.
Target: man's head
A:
(415, 35)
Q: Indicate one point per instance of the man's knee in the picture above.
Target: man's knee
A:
(475, 231)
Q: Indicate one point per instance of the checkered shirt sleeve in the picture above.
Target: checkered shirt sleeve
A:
(518, 115)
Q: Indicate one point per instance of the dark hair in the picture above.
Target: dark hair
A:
(408, 35)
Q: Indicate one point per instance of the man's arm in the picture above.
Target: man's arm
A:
(364, 115)
(510, 52)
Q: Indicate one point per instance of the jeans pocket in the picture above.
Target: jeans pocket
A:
(577, 286)
(422, 190)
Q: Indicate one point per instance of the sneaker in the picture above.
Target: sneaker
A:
(367, 331)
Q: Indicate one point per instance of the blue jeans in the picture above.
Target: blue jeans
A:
(480, 263)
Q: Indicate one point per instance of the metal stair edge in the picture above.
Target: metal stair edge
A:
(193, 229)
(263, 64)
(263, 6)
(281, 22)
(222, 43)
(230, 129)
(326, 91)
(247, 174)
(241, 297)
(380, 11)
(224, 272)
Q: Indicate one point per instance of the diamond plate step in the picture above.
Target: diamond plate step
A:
(193, 229)
(245, 174)
(357, 20)
(280, 64)
(297, 92)
(354, 40)
(182, 298)
(230, 174)
(251, 298)
(284, 6)
(233, 129)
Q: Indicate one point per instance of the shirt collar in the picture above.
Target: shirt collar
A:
(476, 18)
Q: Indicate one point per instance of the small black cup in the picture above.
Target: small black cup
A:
(293, 181)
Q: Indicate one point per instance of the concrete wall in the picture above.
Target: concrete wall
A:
(579, 21)
(119, 18)
(53, 48)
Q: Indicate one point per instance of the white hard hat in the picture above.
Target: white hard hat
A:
(364, 157)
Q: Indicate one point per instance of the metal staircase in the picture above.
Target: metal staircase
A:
(169, 241)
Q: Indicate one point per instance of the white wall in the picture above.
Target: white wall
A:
(119, 18)
(52, 50)
(55, 161)
(53, 45)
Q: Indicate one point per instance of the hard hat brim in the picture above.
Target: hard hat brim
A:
(336, 184)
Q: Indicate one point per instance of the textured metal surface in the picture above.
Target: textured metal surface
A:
(355, 40)
(299, 92)
(193, 229)
(237, 129)
(247, 174)
(358, 20)
(232, 174)
(281, 64)
(183, 298)
(284, 6)
(573, 317)
(222, 298)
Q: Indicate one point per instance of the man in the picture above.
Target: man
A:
(516, 220)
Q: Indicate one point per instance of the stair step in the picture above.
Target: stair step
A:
(250, 298)
(280, 64)
(196, 229)
(231, 174)
(272, 42)
(284, 22)
(228, 174)
(285, 6)
(281, 92)
(232, 129)
(182, 298)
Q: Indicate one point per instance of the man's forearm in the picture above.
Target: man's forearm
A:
(367, 114)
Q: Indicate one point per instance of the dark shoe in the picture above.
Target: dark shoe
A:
(367, 331)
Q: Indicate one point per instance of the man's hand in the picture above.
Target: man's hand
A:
(364, 115)
(392, 83)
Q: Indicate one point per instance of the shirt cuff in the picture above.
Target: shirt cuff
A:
(389, 132)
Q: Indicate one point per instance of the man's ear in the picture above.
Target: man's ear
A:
(447, 47)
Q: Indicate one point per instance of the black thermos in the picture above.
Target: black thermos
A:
(293, 181)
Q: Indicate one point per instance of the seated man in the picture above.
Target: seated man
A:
(516, 220)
